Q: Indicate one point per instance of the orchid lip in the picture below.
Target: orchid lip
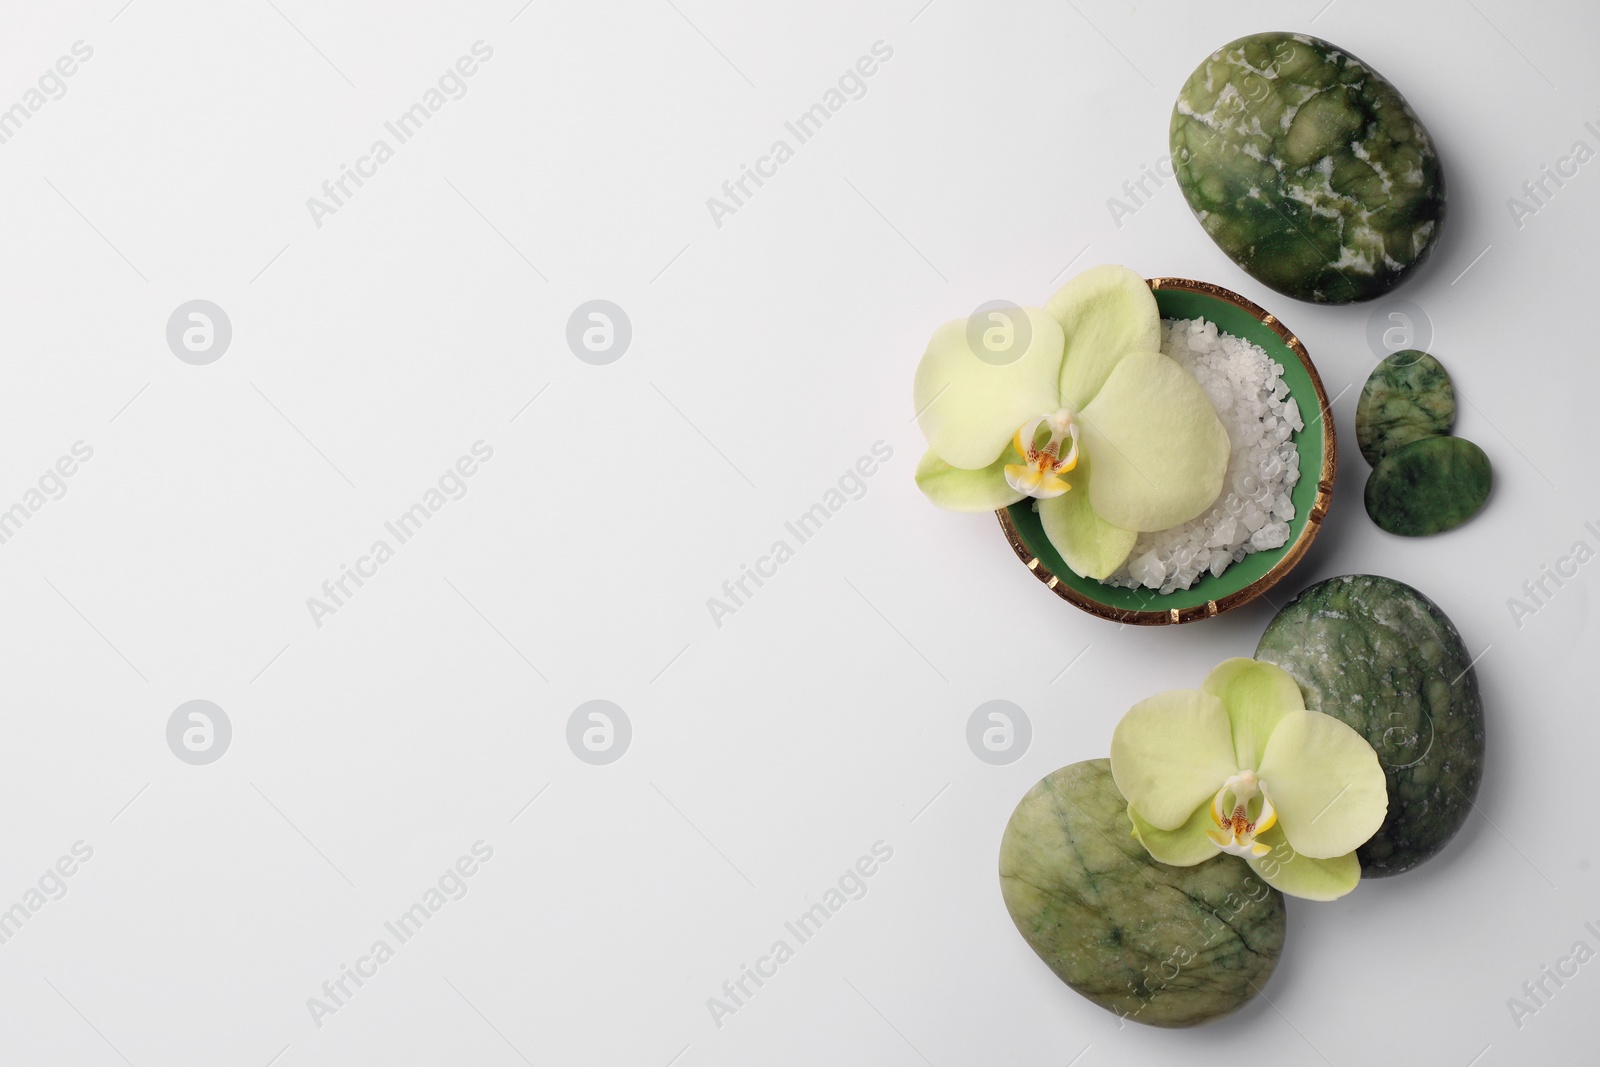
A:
(1039, 475)
(1237, 830)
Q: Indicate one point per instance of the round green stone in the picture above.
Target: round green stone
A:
(1381, 657)
(1429, 486)
(1166, 946)
(1408, 397)
(1307, 167)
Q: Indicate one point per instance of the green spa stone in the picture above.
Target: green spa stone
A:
(1429, 486)
(1408, 397)
(1308, 168)
(1381, 657)
(1166, 946)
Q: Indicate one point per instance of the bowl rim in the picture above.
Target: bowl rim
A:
(1291, 557)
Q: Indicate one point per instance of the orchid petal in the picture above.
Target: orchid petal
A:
(1090, 545)
(1299, 875)
(1183, 847)
(969, 408)
(1326, 782)
(1106, 312)
(955, 489)
(1170, 753)
(1257, 695)
(1158, 449)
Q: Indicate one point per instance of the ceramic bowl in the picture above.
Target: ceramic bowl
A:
(1179, 298)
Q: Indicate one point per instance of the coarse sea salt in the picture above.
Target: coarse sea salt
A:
(1252, 513)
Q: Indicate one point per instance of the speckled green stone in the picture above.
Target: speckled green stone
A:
(1308, 168)
(1408, 397)
(1429, 486)
(1383, 658)
(1167, 946)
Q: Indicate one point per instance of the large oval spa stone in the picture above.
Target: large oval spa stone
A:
(1307, 167)
(1167, 946)
(1381, 657)
(1409, 396)
(1429, 486)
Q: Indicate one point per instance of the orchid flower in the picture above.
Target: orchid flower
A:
(1083, 414)
(1240, 766)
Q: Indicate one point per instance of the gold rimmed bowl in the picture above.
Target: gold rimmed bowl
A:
(1242, 582)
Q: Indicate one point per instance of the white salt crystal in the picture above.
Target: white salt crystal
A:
(1271, 536)
(1147, 570)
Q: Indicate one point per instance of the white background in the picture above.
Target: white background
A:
(768, 354)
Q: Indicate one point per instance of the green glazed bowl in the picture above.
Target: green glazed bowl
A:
(1179, 298)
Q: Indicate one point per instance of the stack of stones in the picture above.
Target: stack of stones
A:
(1177, 946)
(1424, 481)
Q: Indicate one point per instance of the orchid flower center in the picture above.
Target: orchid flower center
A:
(1039, 475)
(1241, 811)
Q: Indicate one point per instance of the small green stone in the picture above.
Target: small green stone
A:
(1381, 657)
(1408, 397)
(1308, 168)
(1166, 946)
(1429, 486)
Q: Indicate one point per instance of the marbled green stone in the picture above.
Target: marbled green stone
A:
(1429, 486)
(1167, 946)
(1408, 397)
(1380, 656)
(1308, 168)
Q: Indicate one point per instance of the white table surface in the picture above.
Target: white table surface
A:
(768, 353)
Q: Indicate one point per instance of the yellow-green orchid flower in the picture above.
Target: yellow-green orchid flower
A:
(1241, 766)
(1112, 437)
